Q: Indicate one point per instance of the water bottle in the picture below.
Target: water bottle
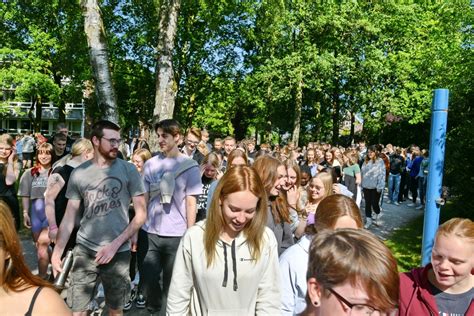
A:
(62, 277)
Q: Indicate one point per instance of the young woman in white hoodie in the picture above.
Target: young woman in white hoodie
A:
(228, 263)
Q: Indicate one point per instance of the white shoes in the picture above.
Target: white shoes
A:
(368, 222)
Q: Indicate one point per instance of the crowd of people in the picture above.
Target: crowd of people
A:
(219, 229)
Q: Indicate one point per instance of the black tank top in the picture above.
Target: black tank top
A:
(33, 300)
(5, 190)
(60, 202)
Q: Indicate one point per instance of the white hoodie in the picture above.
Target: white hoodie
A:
(235, 284)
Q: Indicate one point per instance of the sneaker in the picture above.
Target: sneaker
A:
(389, 202)
(420, 207)
(411, 205)
(396, 203)
(141, 301)
(368, 222)
(128, 305)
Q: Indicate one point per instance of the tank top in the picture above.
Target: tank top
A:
(33, 300)
(5, 190)
(60, 202)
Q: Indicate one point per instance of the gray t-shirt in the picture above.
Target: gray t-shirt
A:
(28, 144)
(452, 304)
(106, 195)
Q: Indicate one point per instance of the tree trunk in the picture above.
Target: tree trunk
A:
(298, 106)
(96, 40)
(351, 138)
(166, 85)
(335, 113)
(39, 114)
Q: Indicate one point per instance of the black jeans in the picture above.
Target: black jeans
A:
(372, 198)
(156, 255)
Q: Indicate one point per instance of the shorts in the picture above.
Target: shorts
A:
(27, 156)
(38, 216)
(114, 276)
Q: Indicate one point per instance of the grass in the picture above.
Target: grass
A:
(405, 243)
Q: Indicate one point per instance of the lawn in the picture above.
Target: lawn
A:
(405, 242)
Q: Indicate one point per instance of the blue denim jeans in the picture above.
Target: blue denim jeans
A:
(422, 189)
(393, 187)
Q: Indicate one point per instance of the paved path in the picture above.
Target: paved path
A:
(392, 217)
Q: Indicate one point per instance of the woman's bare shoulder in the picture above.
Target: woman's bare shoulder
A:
(50, 303)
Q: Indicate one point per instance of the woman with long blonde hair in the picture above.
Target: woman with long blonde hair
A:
(228, 263)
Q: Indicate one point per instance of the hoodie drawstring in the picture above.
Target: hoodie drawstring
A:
(234, 265)
(224, 282)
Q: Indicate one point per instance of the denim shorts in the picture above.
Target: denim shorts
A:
(84, 273)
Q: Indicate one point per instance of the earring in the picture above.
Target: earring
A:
(316, 303)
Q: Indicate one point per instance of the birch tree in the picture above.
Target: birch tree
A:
(96, 40)
(166, 85)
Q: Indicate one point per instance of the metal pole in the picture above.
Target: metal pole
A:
(434, 201)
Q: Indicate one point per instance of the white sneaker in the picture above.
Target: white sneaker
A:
(375, 219)
(420, 207)
(411, 204)
(396, 203)
(368, 222)
(388, 202)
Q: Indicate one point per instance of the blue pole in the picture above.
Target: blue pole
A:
(439, 118)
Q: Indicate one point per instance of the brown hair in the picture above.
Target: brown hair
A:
(196, 131)
(291, 164)
(352, 156)
(97, 129)
(331, 208)
(266, 167)
(169, 126)
(43, 148)
(237, 179)
(16, 275)
(235, 154)
(357, 256)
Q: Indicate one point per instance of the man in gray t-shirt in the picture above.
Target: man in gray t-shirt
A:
(104, 186)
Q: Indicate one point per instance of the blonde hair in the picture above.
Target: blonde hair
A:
(357, 256)
(143, 153)
(327, 180)
(211, 159)
(459, 227)
(8, 140)
(80, 146)
(236, 179)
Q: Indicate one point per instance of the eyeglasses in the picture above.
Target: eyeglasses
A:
(190, 142)
(113, 141)
(356, 309)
